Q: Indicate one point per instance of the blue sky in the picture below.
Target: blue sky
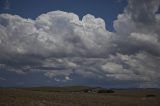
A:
(106, 9)
(108, 43)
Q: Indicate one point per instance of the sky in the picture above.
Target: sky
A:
(106, 43)
(107, 10)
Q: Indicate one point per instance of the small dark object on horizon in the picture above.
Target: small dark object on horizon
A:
(150, 95)
(86, 90)
(105, 91)
(98, 90)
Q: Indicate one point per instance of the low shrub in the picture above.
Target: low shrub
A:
(105, 91)
(150, 95)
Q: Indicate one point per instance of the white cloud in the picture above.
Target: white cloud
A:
(59, 44)
(151, 39)
(114, 68)
(33, 43)
(141, 66)
(58, 73)
(54, 33)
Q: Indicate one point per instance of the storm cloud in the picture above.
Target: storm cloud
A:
(59, 45)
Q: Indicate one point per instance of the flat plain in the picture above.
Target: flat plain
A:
(74, 96)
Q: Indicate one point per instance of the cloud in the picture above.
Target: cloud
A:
(41, 45)
(133, 67)
(62, 47)
(138, 42)
(139, 16)
(143, 12)
(138, 27)
(117, 71)
(55, 33)
(2, 79)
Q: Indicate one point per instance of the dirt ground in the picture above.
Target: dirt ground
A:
(25, 97)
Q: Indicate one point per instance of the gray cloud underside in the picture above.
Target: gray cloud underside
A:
(59, 44)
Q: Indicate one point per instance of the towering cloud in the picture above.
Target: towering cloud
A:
(143, 11)
(61, 46)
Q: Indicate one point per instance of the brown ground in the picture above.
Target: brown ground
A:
(30, 97)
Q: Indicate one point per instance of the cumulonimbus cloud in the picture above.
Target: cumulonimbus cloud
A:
(59, 44)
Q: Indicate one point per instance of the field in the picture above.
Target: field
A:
(74, 96)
